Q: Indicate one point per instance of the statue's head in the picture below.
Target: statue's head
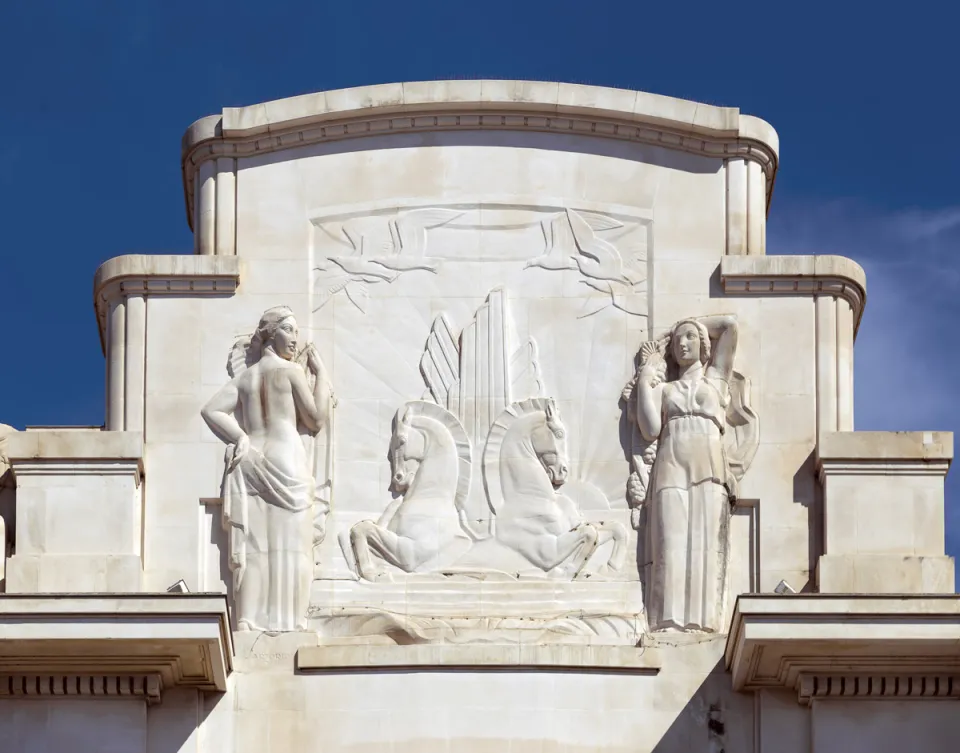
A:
(550, 445)
(407, 447)
(690, 343)
(278, 330)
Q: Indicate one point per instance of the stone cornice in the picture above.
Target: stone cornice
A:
(719, 132)
(880, 645)
(178, 274)
(797, 275)
(123, 644)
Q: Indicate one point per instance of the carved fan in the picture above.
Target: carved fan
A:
(241, 356)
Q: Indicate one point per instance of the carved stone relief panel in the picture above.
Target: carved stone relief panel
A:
(480, 468)
(609, 252)
(477, 351)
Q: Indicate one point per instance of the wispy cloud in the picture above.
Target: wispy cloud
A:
(907, 355)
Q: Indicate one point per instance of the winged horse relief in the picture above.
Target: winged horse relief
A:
(525, 465)
(424, 528)
(513, 521)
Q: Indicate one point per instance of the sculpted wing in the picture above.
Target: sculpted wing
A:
(440, 364)
(598, 221)
(525, 379)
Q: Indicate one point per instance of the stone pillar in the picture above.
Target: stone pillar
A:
(756, 209)
(135, 352)
(226, 207)
(79, 511)
(883, 512)
(116, 348)
(204, 230)
(736, 207)
(844, 366)
(826, 331)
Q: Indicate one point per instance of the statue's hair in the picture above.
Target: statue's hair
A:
(704, 338)
(268, 325)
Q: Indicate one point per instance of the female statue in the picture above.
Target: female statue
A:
(690, 427)
(269, 488)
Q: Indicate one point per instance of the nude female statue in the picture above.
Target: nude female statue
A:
(269, 489)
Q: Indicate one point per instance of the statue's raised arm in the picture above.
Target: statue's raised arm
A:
(722, 330)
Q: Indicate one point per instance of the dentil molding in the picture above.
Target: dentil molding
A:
(846, 645)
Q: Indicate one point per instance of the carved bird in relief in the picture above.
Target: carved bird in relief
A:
(597, 257)
(554, 257)
(408, 234)
(395, 246)
(574, 244)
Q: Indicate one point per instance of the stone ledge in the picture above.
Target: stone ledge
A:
(857, 573)
(797, 275)
(173, 274)
(73, 445)
(886, 445)
(479, 104)
(776, 641)
(494, 656)
(183, 639)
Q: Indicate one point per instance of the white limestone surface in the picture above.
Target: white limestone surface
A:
(481, 403)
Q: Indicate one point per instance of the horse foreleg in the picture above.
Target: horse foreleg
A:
(368, 538)
(615, 532)
(575, 548)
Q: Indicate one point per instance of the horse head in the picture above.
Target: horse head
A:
(549, 441)
(407, 447)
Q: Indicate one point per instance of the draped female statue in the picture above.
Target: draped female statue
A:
(269, 487)
(691, 411)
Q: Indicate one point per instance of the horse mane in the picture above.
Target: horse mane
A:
(498, 432)
(425, 409)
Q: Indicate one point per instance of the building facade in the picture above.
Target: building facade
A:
(479, 419)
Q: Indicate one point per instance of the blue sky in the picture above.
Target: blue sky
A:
(97, 94)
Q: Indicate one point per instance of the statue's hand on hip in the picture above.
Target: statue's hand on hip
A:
(240, 449)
